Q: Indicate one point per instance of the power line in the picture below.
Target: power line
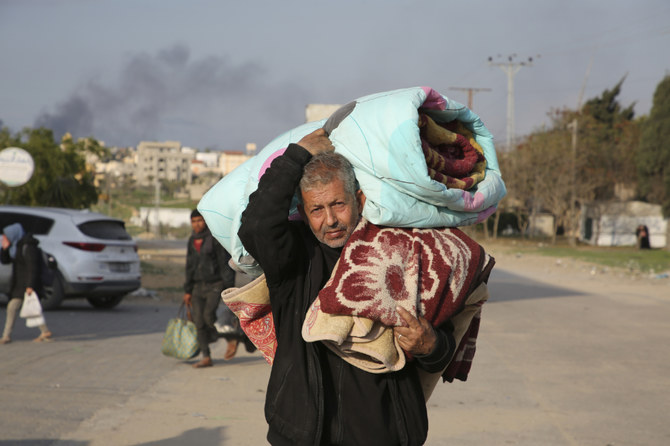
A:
(471, 92)
(510, 68)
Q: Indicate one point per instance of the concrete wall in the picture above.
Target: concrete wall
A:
(541, 225)
(170, 217)
(614, 224)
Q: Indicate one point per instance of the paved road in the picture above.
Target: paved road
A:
(560, 366)
(554, 366)
(99, 358)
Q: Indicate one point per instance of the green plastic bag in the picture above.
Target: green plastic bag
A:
(180, 340)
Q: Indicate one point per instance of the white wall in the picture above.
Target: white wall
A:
(620, 230)
(171, 217)
(614, 223)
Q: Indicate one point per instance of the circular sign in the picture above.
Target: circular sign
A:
(16, 166)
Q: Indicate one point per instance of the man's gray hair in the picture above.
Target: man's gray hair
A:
(325, 167)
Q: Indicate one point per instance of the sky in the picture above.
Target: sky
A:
(217, 74)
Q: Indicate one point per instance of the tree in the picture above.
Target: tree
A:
(60, 177)
(653, 160)
(519, 183)
(551, 166)
(606, 109)
(560, 167)
(608, 138)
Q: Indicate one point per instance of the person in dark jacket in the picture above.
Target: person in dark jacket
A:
(314, 397)
(20, 249)
(207, 274)
(642, 236)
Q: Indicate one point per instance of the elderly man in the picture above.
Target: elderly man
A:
(314, 397)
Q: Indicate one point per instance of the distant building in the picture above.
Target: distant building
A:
(208, 159)
(206, 163)
(163, 160)
(614, 223)
(124, 168)
(540, 225)
(149, 217)
(251, 148)
(228, 161)
(316, 112)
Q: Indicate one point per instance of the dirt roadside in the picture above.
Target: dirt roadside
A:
(162, 274)
(588, 277)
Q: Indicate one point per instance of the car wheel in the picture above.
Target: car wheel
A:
(52, 296)
(105, 302)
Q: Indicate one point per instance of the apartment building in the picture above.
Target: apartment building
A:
(164, 160)
(229, 161)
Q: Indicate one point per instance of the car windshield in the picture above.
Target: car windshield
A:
(105, 229)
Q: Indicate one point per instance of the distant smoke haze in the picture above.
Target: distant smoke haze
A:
(203, 103)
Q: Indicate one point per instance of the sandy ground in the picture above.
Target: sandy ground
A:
(520, 391)
(587, 277)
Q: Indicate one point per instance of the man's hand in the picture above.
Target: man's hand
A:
(417, 337)
(187, 298)
(316, 142)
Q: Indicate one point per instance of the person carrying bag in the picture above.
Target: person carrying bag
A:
(20, 250)
(181, 339)
(31, 310)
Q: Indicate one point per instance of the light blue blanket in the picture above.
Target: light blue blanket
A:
(379, 135)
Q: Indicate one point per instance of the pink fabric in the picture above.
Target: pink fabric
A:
(486, 213)
(472, 201)
(268, 161)
(434, 100)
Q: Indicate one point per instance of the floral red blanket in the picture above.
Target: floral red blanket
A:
(429, 272)
(437, 273)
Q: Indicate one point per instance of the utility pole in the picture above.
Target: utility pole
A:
(471, 92)
(157, 205)
(573, 126)
(510, 68)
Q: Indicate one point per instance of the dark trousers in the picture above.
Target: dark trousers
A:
(204, 303)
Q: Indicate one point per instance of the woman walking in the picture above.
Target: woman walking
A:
(20, 249)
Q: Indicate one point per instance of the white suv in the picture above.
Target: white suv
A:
(91, 255)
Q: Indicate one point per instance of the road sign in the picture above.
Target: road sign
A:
(16, 166)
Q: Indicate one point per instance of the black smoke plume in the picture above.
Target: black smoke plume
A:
(209, 102)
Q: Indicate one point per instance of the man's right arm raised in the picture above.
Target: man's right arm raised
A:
(265, 229)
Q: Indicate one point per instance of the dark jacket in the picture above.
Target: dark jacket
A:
(25, 268)
(210, 265)
(314, 397)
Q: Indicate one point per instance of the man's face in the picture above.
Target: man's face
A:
(331, 213)
(198, 224)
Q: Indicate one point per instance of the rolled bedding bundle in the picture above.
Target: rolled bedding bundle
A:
(422, 160)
